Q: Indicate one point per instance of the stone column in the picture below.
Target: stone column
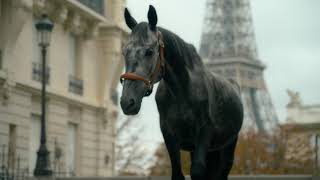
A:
(111, 65)
(111, 61)
(110, 40)
(114, 10)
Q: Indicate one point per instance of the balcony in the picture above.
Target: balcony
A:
(96, 5)
(37, 72)
(75, 85)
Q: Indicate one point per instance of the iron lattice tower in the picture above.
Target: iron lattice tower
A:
(228, 48)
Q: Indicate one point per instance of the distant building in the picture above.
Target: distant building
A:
(303, 131)
(299, 113)
(84, 64)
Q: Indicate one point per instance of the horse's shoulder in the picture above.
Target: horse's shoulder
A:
(197, 87)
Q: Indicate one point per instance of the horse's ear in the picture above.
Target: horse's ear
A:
(152, 17)
(130, 21)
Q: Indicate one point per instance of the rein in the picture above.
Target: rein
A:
(160, 66)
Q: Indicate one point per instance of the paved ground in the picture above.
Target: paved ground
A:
(261, 177)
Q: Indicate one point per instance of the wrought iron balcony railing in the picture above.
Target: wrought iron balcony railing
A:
(37, 72)
(96, 5)
(75, 85)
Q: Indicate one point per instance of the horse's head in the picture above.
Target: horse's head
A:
(142, 61)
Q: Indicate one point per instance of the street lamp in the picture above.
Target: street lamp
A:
(44, 28)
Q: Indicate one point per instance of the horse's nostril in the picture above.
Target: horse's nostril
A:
(131, 102)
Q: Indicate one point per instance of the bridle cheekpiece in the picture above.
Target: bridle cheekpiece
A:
(158, 69)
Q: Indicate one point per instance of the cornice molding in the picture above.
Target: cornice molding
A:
(74, 16)
(92, 30)
(59, 14)
(74, 23)
(24, 4)
(66, 99)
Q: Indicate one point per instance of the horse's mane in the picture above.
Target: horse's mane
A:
(173, 43)
(187, 52)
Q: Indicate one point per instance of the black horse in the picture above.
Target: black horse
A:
(200, 111)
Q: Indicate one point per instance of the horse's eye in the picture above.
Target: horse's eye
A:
(149, 52)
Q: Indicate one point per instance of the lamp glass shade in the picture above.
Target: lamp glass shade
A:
(44, 28)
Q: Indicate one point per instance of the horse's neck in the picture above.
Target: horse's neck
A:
(176, 73)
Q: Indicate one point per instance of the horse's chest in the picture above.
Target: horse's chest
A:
(182, 122)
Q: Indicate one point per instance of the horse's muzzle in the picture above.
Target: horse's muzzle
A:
(130, 106)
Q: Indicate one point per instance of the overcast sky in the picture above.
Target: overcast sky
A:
(288, 40)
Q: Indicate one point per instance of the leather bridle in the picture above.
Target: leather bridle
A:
(159, 67)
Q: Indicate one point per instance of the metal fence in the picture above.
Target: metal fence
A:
(11, 166)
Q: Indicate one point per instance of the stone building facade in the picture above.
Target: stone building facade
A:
(84, 63)
(303, 132)
(299, 113)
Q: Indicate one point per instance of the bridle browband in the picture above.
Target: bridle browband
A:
(160, 66)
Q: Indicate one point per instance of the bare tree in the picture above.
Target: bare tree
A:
(130, 154)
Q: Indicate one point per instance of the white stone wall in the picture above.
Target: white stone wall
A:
(16, 112)
(94, 139)
(92, 113)
(303, 114)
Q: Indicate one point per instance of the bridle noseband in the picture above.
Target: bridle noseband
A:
(159, 67)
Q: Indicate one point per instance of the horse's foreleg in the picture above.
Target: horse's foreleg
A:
(198, 166)
(174, 153)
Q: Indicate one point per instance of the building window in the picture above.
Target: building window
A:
(1, 60)
(1, 8)
(71, 148)
(317, 149)
(75, 85)
(96, 5)
(37, 72)
(35, 45)
(34, 141)
(75, 67)
(12, 146)
(73, 54)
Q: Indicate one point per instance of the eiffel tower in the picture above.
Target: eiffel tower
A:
(228, 48)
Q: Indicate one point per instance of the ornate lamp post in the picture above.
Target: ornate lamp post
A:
(44, 28)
